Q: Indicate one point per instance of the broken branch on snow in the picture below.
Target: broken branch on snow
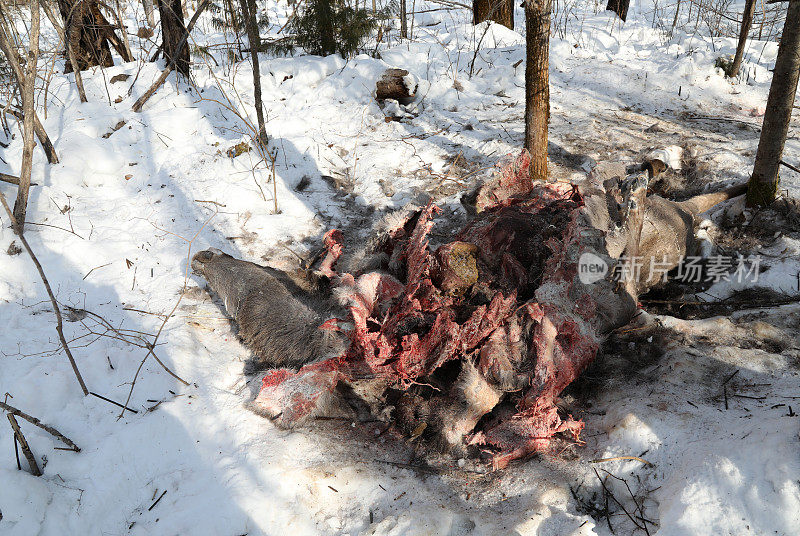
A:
(36, 422)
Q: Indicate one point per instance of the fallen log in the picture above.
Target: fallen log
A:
(396, 84)
(469, 344)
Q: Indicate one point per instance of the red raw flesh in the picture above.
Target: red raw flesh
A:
(563, 343)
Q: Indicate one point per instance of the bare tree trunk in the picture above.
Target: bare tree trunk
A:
(172, 32)
(137, 106)
(250, 14)
(747, 22)
(675, 20)
(149, 13)
(763, 185)
(88, 40)
(403, 22)
(232, 19)
(126, 44)
(28, 107)
(499, 11)
(620, 7)
(71, 39)
(537, 84)
(19, 76)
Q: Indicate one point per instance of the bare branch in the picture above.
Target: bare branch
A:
(36, 422)
(26, 450)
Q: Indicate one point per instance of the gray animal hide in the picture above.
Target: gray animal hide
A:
(277, 320)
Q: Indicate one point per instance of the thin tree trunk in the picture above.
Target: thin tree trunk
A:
(537, 84)
(325, 10)
(70, 42)
(403, 23)
(28, 107)
(172, 32)
(137, 106)
(763, 184)
(19, 76)
(149, 13)
(747, 22)
(675, 20)
(234, 20)
(499, 11)
(249, 12)
(413, 11)
(126, 44)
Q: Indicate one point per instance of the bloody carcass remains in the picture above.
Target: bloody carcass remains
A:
(470, 344)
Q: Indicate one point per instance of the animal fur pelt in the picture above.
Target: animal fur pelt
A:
(278, 321)
(468, 344)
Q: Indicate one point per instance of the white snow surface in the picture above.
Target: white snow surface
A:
(114, 223)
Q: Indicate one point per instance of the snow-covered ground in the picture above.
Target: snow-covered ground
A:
(114, 223)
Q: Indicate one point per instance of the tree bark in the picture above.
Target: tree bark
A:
(28, 107)
(86, 29)
(325, 10)
(392, 85)
(137, 106)
(149, 13)
(747, 22)
(763, 184)
(58, 26)
(10, 179)
(403, 22)
(71, 39)
(249, 12)
(620, 7)
(26, 449)
(537, 84)
(172, 32)
(499, 11)
(675, 20)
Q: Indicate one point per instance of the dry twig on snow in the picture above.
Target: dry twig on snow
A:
(26, 449)
(36, 422)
